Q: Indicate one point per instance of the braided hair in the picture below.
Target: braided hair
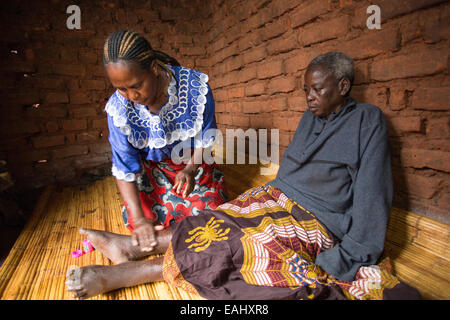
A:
(130, 46)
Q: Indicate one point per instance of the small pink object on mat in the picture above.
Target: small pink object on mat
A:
(77, 253)
(87, 247)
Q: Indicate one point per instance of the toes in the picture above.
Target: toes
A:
(79, 293)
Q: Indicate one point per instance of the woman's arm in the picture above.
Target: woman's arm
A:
(144, 232)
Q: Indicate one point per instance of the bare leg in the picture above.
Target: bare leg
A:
(93, 280)
(118, 248)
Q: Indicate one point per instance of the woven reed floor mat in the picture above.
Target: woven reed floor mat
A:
(36, 266)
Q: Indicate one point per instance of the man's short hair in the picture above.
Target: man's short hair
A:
(340, 65)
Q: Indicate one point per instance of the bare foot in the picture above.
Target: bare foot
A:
(88, 281)
(116, 247)
(92, 280)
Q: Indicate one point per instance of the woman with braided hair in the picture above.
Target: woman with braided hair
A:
(158, 104)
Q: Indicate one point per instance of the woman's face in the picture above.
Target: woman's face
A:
(324, 93)
(133, 82)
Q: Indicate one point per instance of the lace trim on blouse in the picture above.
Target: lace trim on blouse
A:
(192, 87)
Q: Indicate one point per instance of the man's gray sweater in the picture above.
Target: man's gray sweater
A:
(340, 170)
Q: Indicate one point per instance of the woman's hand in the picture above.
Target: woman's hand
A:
(185, 177)
(144, 234)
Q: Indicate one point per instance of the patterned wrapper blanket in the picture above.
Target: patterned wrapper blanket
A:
(263, 245)
(161, 204)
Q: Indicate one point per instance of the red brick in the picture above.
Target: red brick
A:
(242, 121)
(254, 54)
(18, 127)
(80, 97)
(298, 61)
(255, 106)
(234, 107)
(192, 51)
(297, 103)
(249, 40)
(415, 64)
(83, 112)
(281, 45)
(236, 92)
(397, 98)
(88, 56)
(56, 97)
(47, 82)
(420, 186)
(221, 95)
(420, 158)
(278, 104)
(400, 125)
(66, 69)
(89, 161)
(52, 126)
(77, 124)
(285, 138)
(438, 128)
(323, 30)
(90, 135)
(100, 148)
(431, 98)
(247, 74)
(91, 84)
(232, 63)
(369, 94)
(23, 98)
(261, 121)
(270, 69)
(255, 89)
(308, 11)
(99, 123)
(275, 29)
(45, 111)
(224, 118)
(69, 151)
(282, 84)
(48, 141)
(257, 20)
(374, 42)
(390, 9)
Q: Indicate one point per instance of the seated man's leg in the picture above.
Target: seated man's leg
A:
(93, 280)
(118, 248)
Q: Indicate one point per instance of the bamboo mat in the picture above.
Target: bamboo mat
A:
(36, 266)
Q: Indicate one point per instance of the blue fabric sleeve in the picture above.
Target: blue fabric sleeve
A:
(209, 120)
(125, 158)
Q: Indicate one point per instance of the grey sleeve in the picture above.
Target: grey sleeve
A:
(372, 198)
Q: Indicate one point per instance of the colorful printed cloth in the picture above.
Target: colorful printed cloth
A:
(161, 204)
(262, 245)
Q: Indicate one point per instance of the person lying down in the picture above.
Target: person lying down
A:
(315, 232)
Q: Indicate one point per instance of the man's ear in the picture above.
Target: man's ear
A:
(344, 86)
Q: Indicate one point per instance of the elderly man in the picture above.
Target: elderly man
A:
(315, 232)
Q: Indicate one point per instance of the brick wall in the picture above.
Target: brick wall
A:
(255, 52)
(258, 52)
(53, 127)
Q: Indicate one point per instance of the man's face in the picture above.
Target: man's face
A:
(323, 92)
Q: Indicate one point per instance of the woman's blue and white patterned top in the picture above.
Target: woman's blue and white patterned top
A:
(134, 131)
